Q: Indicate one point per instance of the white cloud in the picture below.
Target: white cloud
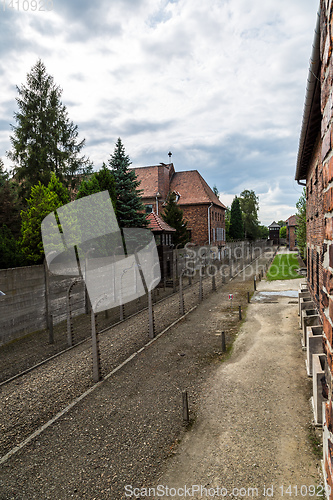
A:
(221, 86)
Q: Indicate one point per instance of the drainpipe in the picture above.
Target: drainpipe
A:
(209, 222)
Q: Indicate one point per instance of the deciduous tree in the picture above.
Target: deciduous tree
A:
(249, 204)
(236, 228)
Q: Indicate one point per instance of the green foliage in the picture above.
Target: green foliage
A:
(10, 206)
(215, 190)
(249, 204)
(236, 228)
(44, 139)
(10, 252)
(263, 231)
(99, 181)
(129, 206)
(173, 216)
(227, 224)
(43, 200)
(283, 267)
(301, 224)
(282, 223)
(283, 232)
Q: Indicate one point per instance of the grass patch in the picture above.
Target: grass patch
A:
(283, 267)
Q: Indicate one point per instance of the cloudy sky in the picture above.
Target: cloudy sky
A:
(220, 84)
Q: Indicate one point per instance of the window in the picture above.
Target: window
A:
(149, 209)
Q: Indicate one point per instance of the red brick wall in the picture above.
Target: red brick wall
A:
(320, 217)
(291, 237)
(197, 220)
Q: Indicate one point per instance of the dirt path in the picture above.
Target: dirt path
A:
(253, 423)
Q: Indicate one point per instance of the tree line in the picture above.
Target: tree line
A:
(49, 171)
(242, 218)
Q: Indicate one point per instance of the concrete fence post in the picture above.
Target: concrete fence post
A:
(151, 326)
(69, 318)
(185, 407)
(213, 280)
(47, 293)
(181, 296)
(51, 336)
(200, 285)
(121, 312)
(224, 347)
(95, 349)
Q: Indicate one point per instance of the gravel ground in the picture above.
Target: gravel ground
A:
(129, 428)
(254, 421)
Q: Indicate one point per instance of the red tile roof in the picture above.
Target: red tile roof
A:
(190, 185)
(156, 223)
(193, 189)
(155, 179)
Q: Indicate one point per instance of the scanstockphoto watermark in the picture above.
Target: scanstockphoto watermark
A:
(164, 491)
(235, 259)
(199, 491)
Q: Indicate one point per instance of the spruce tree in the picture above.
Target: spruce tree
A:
(129, 206)
(173, 216)
(236, 228)
(44, 139)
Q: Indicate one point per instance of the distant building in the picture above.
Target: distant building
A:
(274, 233)
(203, 211)
(291, 232)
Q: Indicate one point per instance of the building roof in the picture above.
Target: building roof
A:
(292, 220)
(311, 122)
(274, 225)
(193, 189)
(157, 224)
(155, 179)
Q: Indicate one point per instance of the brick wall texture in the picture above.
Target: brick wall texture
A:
(319, 192)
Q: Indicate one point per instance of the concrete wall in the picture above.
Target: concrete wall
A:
(24, 307)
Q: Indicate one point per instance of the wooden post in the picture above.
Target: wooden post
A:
(95, 349)
(51, 336)
(181, 296)
(224, 348)
(255, 283)
(151, 326)
(248, 297)
(185, 407)
(240, 312)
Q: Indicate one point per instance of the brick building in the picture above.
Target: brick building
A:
(291, 224)
(315, 166)
(203, 211)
